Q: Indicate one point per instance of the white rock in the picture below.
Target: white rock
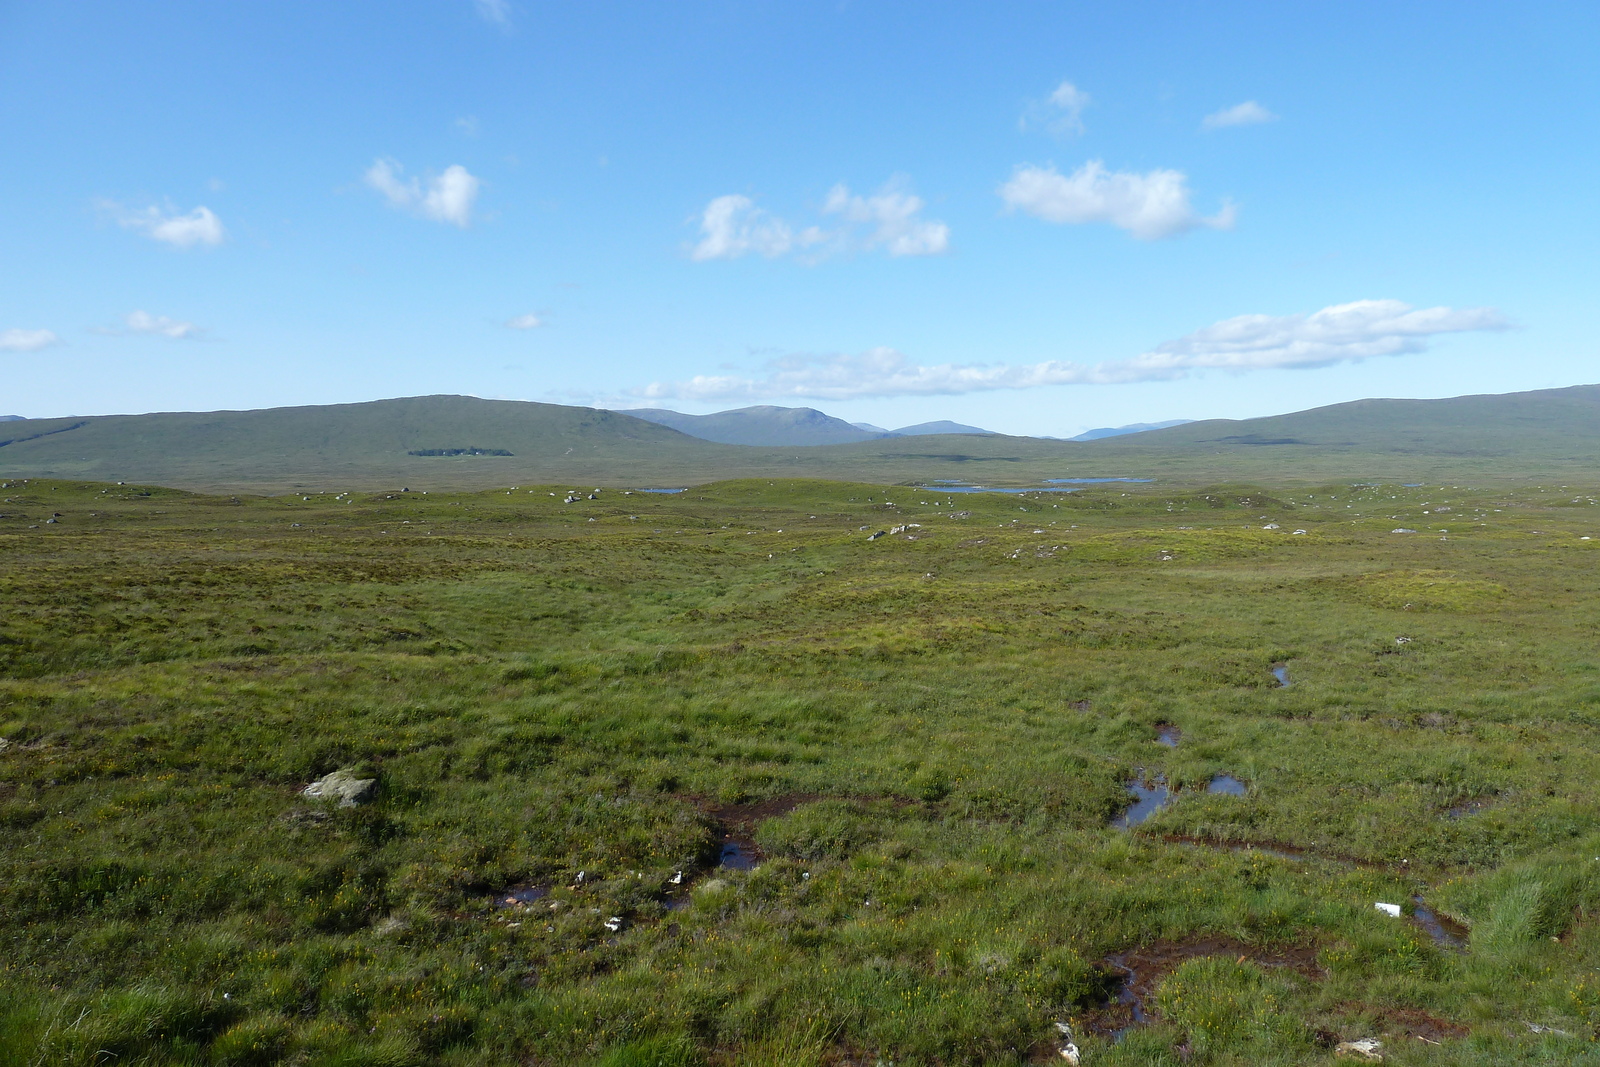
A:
(1391, 910)
(1368, 1048)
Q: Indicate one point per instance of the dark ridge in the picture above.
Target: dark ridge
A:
(1252, 439)
(43, 433)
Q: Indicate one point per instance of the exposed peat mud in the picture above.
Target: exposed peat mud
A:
(1141, 971)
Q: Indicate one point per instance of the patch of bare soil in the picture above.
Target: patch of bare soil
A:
(1142, 971)
(1413, 1023)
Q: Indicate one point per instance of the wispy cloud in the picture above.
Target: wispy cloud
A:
(167, 225)
(1248, 113)
(892, 217)
(1061, 112)
(27, 340)
(494, 12)
(148, 325)
(447, 197)
(889, 220)
(524, 322)
(1149, 206)
(1338, 334)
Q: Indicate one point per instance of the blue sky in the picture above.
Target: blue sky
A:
(1036, 217)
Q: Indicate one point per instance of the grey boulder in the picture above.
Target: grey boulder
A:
(344, 787)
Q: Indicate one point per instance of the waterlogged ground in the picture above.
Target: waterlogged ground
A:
(713, 778)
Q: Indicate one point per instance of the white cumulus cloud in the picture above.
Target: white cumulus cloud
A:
(1061, 112)
(1248, 113)
(142, 322)
(1149, 206)
(892, 215)
(27, 340)
(732, 226)
(524, 322)
(889, 220)
(447, 197)
(181, 230)
(1337, 334)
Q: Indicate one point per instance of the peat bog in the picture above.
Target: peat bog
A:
(710, 778)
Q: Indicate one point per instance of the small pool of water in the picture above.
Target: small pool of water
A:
(1228, 785)
(737, 855)
(1281, 673)
(1148, 799)
(1446, 932)
(1168, 734)
(511, 898)
(661, 490)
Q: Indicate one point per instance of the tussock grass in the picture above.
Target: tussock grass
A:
(940, 723)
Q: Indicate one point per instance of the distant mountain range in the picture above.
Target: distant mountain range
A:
(785, 427)
(12, 418)
(1132, 427)
(457, 442)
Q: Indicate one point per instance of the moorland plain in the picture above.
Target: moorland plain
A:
(922, 739)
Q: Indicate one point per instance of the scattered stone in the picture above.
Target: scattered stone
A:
(1539, 1028)
(614, 924)
(1297, 533)
(1402, 529)
(1271, 526)
(880, 533)
(1402, 640)
(1391, 910)
(343, 786)
(1367, 1048)
(1069, 1050)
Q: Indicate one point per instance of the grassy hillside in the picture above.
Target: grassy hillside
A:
(1545, 435)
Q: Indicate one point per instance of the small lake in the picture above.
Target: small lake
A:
(661, 490)
(1051, 485)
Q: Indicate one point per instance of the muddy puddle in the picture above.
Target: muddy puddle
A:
(1168, 734)
(1468, 808)
(1148, 798)
(736, 846)
(519, 896)
(1140, 972)
(1151, 796)
(1445, 931)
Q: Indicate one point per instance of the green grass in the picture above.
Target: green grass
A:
(543, 689)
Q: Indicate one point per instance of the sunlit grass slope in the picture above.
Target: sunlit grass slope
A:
(930, 730)
(1549, 435)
